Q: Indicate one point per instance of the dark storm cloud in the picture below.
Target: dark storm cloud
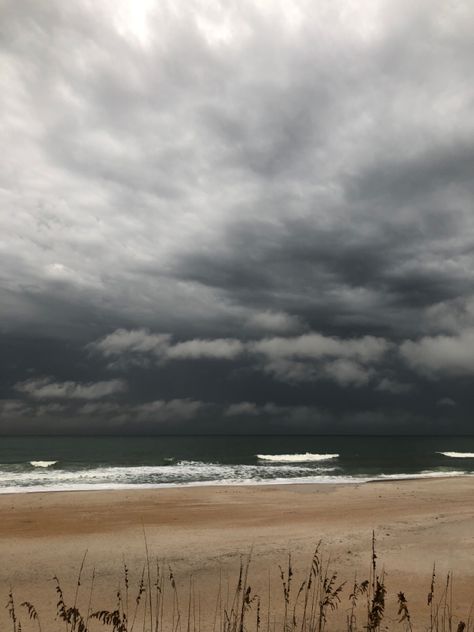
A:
(255, 208)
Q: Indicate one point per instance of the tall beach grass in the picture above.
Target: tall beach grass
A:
(315, 599)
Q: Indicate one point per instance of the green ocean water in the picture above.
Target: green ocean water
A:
(78, 463)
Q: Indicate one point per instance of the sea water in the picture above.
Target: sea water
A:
(88, 463)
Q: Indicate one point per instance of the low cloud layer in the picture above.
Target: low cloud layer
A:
(300, 358)
(46, 388)
(239, 204)
(140, 342)
(438, 355)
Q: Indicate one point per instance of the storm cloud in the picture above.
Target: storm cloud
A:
(236, 217)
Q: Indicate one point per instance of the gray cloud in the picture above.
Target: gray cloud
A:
(313, 356)
(438, 355)
(346, 372)
(12, 409)
(312, 115)
(278, 322)
(315, 345)
(176, 409)
(242, 408)
(140, 342)
(288, 359)
(393, 386)
(446, 402)
(110, 416)
(46, 388)
(291, 371)
(451, 316)
(222, 348)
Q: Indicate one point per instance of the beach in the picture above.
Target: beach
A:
(204, 531)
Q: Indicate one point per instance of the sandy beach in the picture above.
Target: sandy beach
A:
(203, 531)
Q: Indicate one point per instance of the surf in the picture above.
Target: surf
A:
(307, 457)
(458, 455)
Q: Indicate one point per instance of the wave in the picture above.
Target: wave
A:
(319, 479)
(26, 478)
(458, 455)
(43, 463)
(180, 473)
(307, 457)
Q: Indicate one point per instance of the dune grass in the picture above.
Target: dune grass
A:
(158, 604)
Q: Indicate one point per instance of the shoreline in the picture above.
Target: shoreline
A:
(389, 478)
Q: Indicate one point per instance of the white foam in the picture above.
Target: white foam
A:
(425, 474)
(458, 455)
(43, 463)
(179, 473)
(244, 481)
(296, 458)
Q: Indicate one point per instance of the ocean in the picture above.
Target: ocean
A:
(30, 464)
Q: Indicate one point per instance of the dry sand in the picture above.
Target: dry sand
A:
(204, 530)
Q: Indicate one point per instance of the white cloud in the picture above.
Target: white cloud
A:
(45, 388)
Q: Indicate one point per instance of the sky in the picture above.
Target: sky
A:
(247, 216)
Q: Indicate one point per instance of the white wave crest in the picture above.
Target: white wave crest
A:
(43, 463)
(458, 455)
(296, 458)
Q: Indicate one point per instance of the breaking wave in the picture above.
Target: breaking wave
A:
(307, 457)
(19, 478)
(43, 463)
(458, 455)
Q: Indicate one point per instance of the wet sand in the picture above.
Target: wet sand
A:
(203, 531)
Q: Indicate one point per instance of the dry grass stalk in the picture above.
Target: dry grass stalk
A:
(305, 606)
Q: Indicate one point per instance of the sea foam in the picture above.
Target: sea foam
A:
(43, 463)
